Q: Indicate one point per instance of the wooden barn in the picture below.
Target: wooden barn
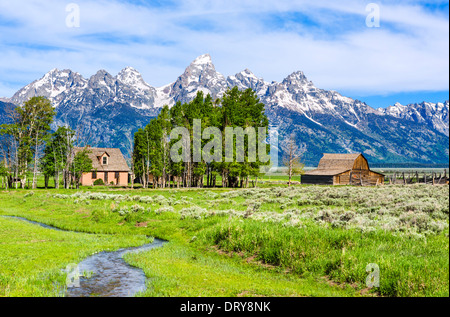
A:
(343, 169)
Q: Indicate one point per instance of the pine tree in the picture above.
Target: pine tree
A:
(80, 164)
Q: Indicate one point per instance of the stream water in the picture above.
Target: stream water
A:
(109, 274)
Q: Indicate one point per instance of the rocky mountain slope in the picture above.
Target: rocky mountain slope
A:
(5, 109)
(109, 109)
(434, 115)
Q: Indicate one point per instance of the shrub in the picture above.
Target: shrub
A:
(194, 212)
(28, 194)
(164, 209)
(137, 208)
(99, 182)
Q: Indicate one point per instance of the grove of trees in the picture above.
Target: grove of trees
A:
(26, 145)
(152, 162)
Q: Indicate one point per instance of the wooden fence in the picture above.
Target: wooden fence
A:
(418, 178)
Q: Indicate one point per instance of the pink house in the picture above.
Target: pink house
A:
(108, 165)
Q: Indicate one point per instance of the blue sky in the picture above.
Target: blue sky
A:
(404, 60)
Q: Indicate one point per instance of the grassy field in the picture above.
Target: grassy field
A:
(274, 241)
(32, 258)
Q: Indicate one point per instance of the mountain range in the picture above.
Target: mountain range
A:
(107, 110)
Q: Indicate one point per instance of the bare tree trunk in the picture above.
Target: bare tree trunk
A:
(144, 176)
(223, 178)
(36, 154)
(23, 181)
(163, 180)
(56, 180)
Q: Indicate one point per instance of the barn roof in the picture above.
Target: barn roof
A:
(116, 161)
(334, 164)
(325, 172)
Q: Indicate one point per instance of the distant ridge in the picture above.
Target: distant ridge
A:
(109, 109)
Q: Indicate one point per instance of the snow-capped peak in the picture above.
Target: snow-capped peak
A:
(132, 77)
(51, 85)
(50, 77)
(297, 77)
(248, 73)
(101, 75)
(202, 60)
(246, 79)
(433, 114)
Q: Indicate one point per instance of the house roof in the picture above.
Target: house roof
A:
(116, 161)
(100, 155)
(334, 164)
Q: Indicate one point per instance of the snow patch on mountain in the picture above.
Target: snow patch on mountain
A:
(435, 115)
(319, 118)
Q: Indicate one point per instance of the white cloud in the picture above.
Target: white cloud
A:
(408, 53)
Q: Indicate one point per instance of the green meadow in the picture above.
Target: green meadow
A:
(269, 241)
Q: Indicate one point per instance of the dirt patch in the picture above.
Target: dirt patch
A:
(39, 241)
(141, 224)
(248, 294)
(355, 286)
(82, 211)
(32, 241)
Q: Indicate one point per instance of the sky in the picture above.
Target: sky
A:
(378, 52)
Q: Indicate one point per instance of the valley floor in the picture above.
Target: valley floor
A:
(273, 241)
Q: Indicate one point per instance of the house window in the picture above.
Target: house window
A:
(105, 160)
(94, 175)
(117, 175)
(106, 177)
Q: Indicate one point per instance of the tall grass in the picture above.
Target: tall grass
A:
(408, 266)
